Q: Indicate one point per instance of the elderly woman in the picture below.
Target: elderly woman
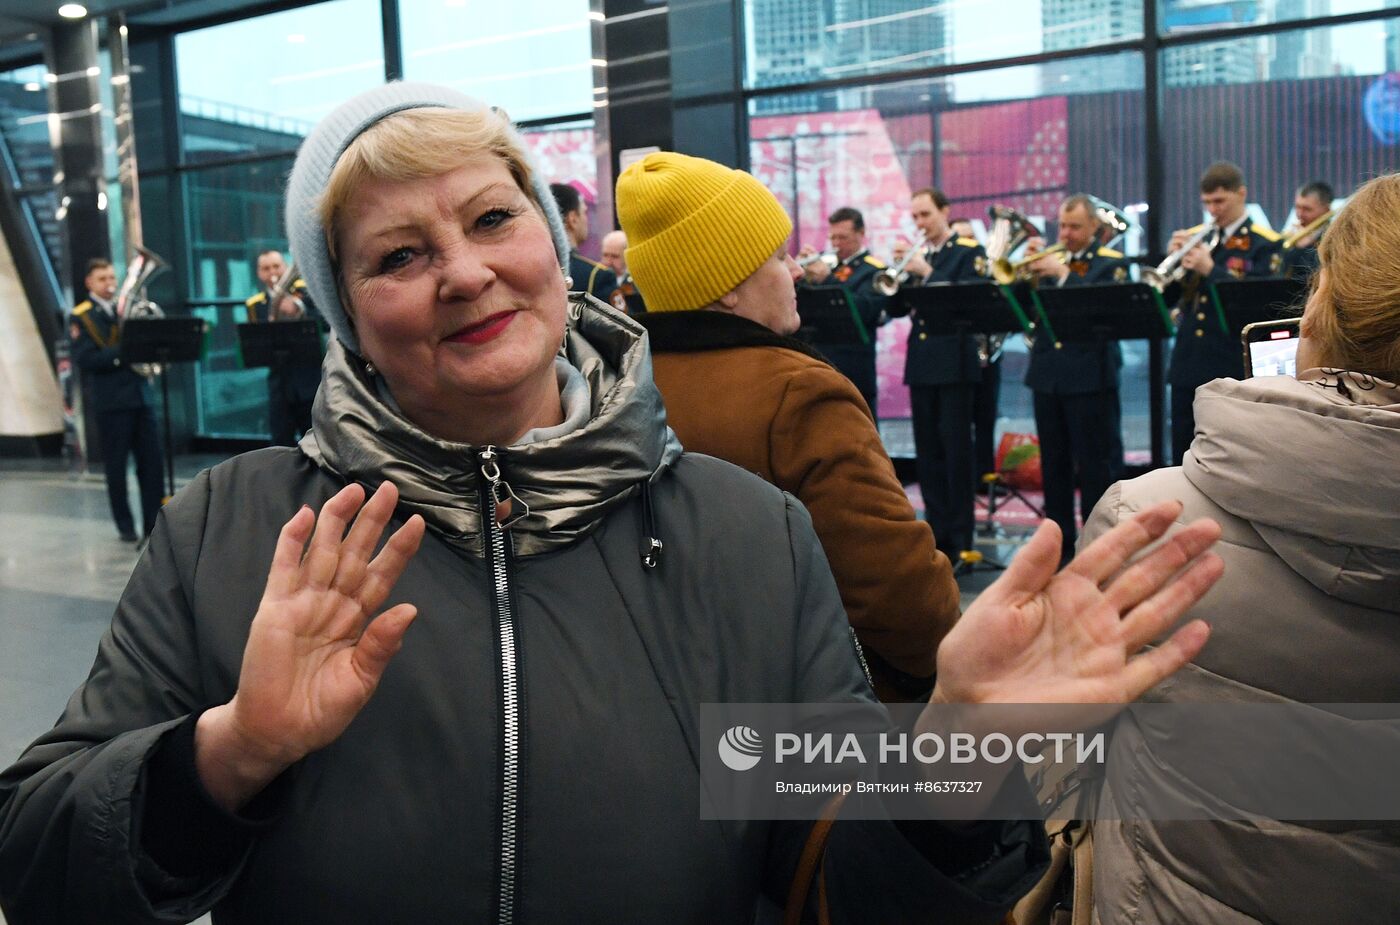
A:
(576, 584)
(1300, 473)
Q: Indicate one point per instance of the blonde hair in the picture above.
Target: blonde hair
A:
(419, 143)
(1356, 316)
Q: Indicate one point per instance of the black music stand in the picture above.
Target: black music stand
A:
(829, 316)
(1245, 301)
(164, 341)
(1090, 314)
(280, 343)
(965, 310)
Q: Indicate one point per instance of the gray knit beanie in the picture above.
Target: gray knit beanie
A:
(312, 171)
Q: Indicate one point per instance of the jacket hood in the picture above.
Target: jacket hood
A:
(1309, 462)
(570, 482)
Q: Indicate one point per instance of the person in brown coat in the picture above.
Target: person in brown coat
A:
(707, 248)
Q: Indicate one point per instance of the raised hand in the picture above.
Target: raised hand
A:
(1035, 636)
(315, 651)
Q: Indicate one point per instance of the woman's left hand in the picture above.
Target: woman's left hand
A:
(1035, 636)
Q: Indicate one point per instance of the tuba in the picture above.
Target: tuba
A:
(1113, 222)
(132, 302)
(1010, 229)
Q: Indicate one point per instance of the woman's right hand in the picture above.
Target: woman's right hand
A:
(314, 655)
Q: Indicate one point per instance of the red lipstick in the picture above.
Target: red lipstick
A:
(482, 331)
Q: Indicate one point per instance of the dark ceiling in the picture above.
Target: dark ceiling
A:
(22, 22)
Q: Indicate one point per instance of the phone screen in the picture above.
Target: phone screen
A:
(1276, 353)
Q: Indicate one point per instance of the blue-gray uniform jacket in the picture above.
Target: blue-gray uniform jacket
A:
(96, 348)
(293, 383)
(591, 277)
(945, 359)
(1080, 368)
(1204, 350)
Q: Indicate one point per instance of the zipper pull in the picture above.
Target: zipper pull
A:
(499, 490)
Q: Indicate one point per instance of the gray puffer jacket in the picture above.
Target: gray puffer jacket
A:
(1301, 475)
(531, 754)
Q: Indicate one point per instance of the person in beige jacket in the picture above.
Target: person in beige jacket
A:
(1301, 474)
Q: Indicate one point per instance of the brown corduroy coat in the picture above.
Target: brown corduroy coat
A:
(735, 390)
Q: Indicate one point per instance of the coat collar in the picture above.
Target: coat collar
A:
(703, 329)
(570, 482)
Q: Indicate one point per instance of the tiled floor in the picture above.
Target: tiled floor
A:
(62, 568)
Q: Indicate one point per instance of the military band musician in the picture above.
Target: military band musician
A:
(943, 373)
(1235, 249)
(855, 271)
(1075, 385)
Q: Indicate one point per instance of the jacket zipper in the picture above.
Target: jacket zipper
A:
(495, 491)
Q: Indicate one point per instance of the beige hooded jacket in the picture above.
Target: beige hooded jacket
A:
(1303, 476)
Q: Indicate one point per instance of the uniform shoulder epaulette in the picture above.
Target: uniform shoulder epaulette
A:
(592, 263)
(258, 299)
(1110, 252)
(298, 285)
(1265, 233)
(969, 242)
(83, 306)
(877, 264)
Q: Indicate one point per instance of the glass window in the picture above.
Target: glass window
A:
(565, 154)
(1181, 16)
(232, 213)
(533, 58)
(1311, 104)
(24, 123)
(1024, 137)
(796, 41)
(260, 84)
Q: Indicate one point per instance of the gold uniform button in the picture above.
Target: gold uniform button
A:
(1200, 316)
(1200, 332)
(923, 336)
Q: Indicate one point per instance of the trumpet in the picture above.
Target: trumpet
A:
(1317, 224)
(828, 258)
(1005, 272)
(1170, 270)
(132, 302)
(888, 280)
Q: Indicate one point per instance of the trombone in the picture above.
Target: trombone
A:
(1317, 224)
(1005, 272)
(888, 280)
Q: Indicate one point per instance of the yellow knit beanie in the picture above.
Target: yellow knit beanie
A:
(695, 229)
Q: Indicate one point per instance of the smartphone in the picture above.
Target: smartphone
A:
(1271, 347)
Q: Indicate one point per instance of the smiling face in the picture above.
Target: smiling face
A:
(455, 292)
